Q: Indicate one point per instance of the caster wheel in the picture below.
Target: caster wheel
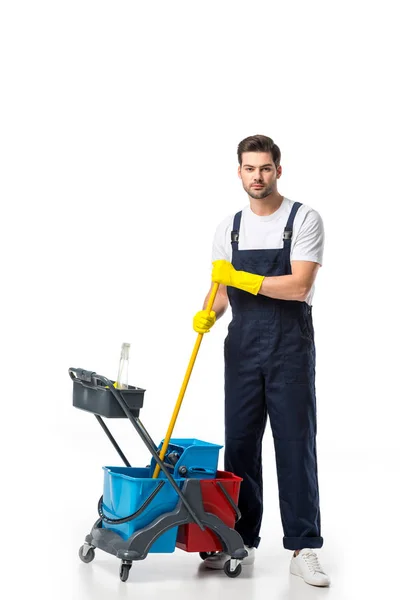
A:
(204, 555)
(124, 571)
(230, 573)
(88, 557)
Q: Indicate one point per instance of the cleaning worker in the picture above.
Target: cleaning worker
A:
(266, 258)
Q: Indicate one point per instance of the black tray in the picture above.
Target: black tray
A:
(91, 395)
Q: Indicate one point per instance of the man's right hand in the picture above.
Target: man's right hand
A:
(202, 322)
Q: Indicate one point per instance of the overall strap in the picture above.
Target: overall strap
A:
(288, 233)
(235, 231)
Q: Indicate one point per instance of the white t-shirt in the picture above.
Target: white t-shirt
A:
(267, 232)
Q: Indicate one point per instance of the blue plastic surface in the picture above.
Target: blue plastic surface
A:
(125, 490)
(200, 458)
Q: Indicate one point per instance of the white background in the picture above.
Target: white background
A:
(119, 128)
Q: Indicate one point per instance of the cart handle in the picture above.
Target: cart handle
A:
(133, 515)
(89, 378)
(86, 378)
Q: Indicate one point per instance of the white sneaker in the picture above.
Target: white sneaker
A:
(306, 565)
(217, 561)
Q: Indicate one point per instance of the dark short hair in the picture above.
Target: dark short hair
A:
(259, 143)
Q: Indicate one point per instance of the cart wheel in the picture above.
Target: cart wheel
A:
(88, 557)
(204, 555)
(230, 573)
(124, 571)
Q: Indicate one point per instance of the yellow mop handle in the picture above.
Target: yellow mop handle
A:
(185, 383)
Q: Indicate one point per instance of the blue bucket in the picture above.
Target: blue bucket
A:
(125, 490)
(199, 458)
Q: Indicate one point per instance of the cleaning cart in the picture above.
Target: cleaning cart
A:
(190, 505)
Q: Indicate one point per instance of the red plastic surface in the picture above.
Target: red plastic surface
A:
(190, 537)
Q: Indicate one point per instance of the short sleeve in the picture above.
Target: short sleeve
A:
(309, 242)
(219, 250)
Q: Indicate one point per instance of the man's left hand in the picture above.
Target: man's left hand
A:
(225, 273)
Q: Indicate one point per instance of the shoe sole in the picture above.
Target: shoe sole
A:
(309, 583)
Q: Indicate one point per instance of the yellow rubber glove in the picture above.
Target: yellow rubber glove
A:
(224, 272)
(202, 322)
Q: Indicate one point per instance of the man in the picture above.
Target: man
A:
(266, 259)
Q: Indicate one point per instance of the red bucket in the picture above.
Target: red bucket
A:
(190, 537)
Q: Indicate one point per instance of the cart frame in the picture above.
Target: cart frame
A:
(189, 508)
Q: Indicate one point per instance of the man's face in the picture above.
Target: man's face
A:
(258, 174)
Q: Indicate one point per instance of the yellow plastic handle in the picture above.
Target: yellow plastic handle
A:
(185, 383)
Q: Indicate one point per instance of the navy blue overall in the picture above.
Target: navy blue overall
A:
(270, 369)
